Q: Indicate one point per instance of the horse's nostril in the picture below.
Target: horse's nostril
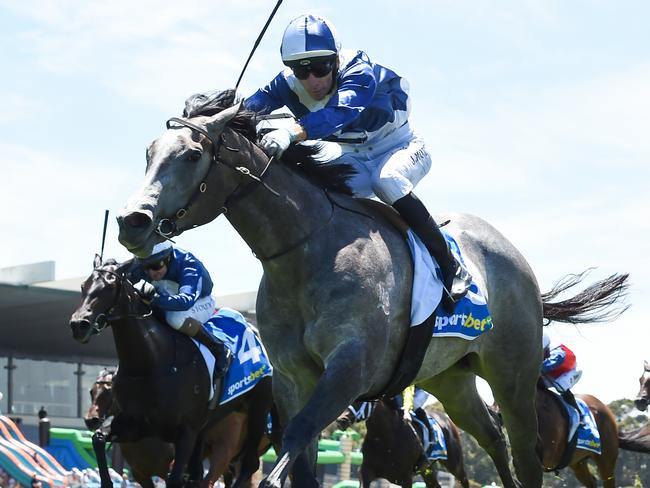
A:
(137, 220)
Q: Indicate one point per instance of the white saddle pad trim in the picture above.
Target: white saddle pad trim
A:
(427, 288)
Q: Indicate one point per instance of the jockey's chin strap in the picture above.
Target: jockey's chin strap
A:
(103, 319)
(169, 227)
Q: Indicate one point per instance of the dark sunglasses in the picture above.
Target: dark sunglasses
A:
(155, 266)
(318, 68)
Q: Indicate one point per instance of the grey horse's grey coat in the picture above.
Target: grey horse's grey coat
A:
(334, 310)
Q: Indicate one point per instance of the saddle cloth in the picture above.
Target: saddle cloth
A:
(471, 316)
(436, 448)
(250, 361)
(588, 435)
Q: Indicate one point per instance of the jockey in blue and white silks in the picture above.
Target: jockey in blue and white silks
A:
(360, 110)
(176, 282)
(183, 290)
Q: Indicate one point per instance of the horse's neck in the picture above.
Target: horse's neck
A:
(272, 224)
(140, 344)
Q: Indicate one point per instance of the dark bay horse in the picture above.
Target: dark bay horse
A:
(643, 397)
(151, 456)
(333, 306)
(554, 431)
(392, 447)
(162, 385)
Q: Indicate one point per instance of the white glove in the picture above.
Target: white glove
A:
(145, 289)
(277, 141)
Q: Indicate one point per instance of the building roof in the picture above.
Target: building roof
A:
(34, 322)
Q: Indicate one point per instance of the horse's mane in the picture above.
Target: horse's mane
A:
(306, 159)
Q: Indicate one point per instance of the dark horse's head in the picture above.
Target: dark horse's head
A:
(101, 400)
(643, 397)
(100, 294)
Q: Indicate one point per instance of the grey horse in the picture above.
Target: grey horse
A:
(333, 305)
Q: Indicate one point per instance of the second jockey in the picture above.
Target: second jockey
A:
(175, 282)
(560, 369)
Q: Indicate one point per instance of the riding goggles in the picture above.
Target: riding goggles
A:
(158, 265)
(319, 67)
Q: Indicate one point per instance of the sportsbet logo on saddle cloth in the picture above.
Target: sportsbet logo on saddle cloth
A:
(250, 363)
(471, 316)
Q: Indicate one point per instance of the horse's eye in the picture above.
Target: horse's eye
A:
(194, 155)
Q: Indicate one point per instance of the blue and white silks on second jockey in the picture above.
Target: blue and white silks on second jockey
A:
(471, 316)
(184, 291)
(250, 362)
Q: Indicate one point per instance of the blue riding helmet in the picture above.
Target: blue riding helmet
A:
(309, 36)
(159, 252)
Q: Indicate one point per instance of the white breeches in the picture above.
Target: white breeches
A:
(388, 168)
(564, 382)
(202, 310)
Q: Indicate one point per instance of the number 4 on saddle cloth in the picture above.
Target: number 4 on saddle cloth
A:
(250, 363)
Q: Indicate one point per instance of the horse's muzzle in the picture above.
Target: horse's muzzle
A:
(641, 404)
(81, 330)
(136, 230)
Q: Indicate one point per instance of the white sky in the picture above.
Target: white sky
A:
(536, 114)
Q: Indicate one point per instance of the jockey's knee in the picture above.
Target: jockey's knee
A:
(390, 187)
(175, 319)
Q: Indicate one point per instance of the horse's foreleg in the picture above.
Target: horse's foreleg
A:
(339, 384)
(183, 448)
(99, 446)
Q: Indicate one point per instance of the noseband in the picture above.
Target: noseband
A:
(167, 227)
(103, 319)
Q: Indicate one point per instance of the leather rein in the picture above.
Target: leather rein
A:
(103, 319)
(168, 227)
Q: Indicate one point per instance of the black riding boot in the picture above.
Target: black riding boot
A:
(568, 397)
(222, 355)
(456, 278)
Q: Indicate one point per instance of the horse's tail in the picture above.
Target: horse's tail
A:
(593, 304)
(637, 440)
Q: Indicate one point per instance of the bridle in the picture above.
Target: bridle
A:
(102, 320)
(168, 227)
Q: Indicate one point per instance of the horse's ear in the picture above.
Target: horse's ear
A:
(97, 262)
(124, 267)
(217, 123)
(646, 365)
